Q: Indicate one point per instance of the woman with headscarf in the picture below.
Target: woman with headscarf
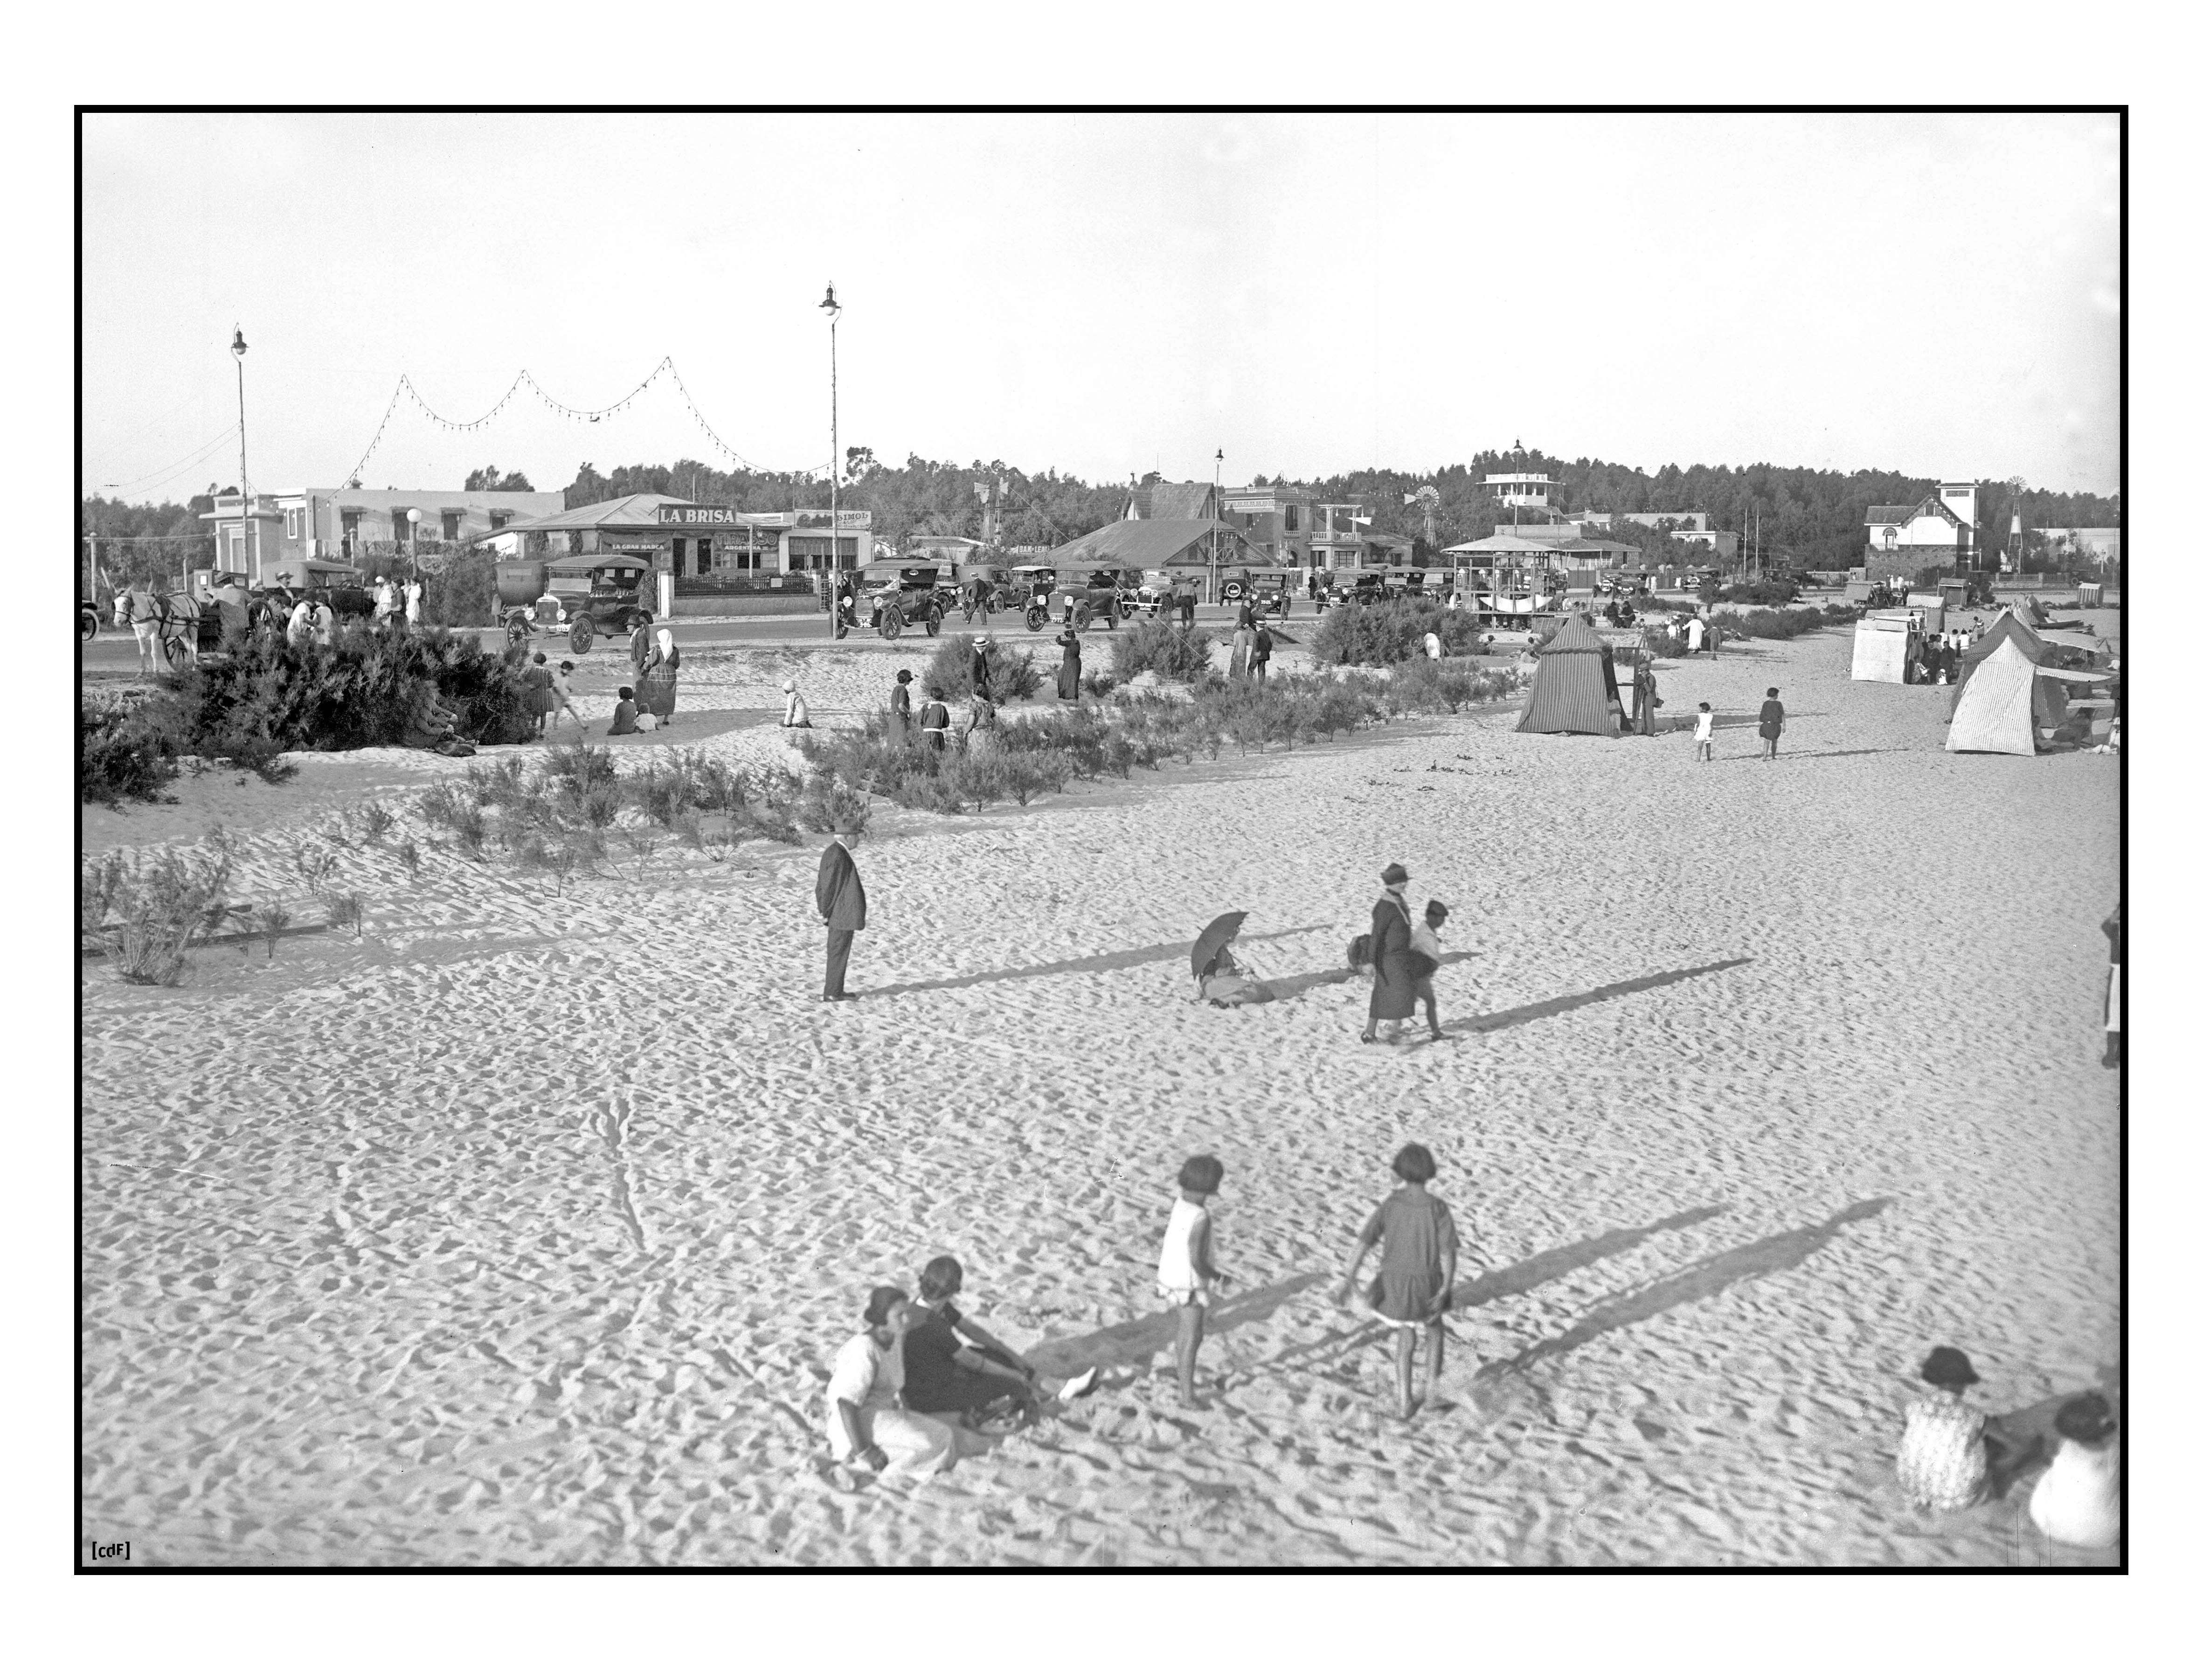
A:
(1392, 935)
(899, 711)
(656, 689)
(1066, 674)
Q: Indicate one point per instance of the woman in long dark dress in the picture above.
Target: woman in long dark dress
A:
(899, 711)
(1391, 934)
(1066, 674)
(660, 681)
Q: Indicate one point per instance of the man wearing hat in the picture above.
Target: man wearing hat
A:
(1391, 934)
(841, 903)
(979, 684)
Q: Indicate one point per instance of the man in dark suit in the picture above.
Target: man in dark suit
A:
(841, 904)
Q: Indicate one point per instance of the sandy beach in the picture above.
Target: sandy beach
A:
(524, 1230)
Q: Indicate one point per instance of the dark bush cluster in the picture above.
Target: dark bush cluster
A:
(1390, 632)
(265, 698)
(1781, 623)
(1173, 653)
(1010, 672)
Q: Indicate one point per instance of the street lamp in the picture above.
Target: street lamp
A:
(413, 537)
(1215, 513)
(834, 394)
(237, 347)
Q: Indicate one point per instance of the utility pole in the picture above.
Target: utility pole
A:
(237, 348)
(834, 391)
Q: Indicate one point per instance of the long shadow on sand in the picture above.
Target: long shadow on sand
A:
(1694, 1282)
(1578, 1000)
(1515, 1280)
(1293, 985)
(1100, 963)
(1156, 1331)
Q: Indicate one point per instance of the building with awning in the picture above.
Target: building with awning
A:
(1500, 555)
(302, 537)
(693, 538)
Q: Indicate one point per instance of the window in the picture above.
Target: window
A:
(703, 556)
(451, 526)
(1292, 518)
(498, 517)
(291, 516)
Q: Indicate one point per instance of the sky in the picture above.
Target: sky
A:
(1104, 295)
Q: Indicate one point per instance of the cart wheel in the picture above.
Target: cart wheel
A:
(933, 622)
(583, 633)
(1036, 618)
(178, 651)
(515, 632)
(87, 625)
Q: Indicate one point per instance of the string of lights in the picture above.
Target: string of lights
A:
(665, 368)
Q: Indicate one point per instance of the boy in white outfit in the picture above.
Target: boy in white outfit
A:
(1423, 960)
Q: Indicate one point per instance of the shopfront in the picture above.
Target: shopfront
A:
(704, 540)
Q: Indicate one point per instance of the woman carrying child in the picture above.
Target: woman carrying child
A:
(1415, 1274)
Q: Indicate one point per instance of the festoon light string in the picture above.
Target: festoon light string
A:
(524, 378)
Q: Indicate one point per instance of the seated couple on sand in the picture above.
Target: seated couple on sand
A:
(902, 1388)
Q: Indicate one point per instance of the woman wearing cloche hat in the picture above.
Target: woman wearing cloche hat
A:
(1391, 934)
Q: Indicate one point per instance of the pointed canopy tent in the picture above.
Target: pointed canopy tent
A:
(2010, 699)
(1573, 691)
(2006, 626)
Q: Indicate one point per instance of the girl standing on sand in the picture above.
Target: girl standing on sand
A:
(1770, 722)
(1415, 1273)
(1188, 1267)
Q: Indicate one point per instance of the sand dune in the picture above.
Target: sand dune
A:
(524, 1230)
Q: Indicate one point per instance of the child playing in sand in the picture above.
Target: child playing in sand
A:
(1188, 1268)
(623, 713)
(1705, 736)
(1943, 1461)
(1423, 960)
(2078, 1501)
(1415, 1274)
(562, 696)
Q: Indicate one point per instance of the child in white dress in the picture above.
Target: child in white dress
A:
(2078, 1501)
(1187, 1269)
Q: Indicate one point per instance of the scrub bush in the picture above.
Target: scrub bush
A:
(1390, 632)
(121, 754)
(1172, 653)
(1010, 672)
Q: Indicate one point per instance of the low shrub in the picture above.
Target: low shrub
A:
(1010, 672)
(1390, 632)
(161, 910)
(1781, 623)
(1174, 653)
(121, 754)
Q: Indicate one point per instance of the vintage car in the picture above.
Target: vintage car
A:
(1020, 589)
(913, 595)
(1356, 588)
(1400, 583)
(591, 595)
(1080, 596)
(1158, 592)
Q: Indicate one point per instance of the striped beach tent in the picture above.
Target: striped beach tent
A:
(1573, 690)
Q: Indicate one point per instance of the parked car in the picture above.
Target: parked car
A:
(1357, 588)
(912, 596)
(1081, 597)
(1273, 595)
(1157, 594)
(594, 594)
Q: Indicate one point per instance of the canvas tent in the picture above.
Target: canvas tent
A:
(1884, 648)
(1573, 691)
(2009, 700)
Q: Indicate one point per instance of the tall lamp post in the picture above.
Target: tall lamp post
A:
(237, 348)
(1215, 514)
(834, 398)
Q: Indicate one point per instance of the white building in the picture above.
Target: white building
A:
(1522, 489)
(1938, 530)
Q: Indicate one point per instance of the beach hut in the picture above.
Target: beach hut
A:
(1573, 691)
(1884, 648)
(2010, 699)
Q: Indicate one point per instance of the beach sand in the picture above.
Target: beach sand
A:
(524, 1230)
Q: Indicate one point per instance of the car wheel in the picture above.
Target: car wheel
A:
(933, 622)
(1036, 618)
(582, 635)
(890, 624)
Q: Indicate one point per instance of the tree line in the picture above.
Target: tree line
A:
(1808, 519)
